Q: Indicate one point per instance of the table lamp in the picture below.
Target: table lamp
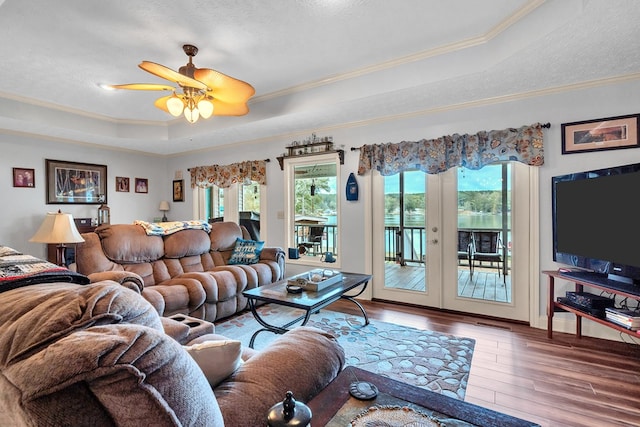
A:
(58, 228)
(164, 207)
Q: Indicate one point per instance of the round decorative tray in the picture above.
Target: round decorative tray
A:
(393, 416)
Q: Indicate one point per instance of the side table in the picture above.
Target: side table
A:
(334, 406)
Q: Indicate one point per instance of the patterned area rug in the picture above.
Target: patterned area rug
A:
(431, 360)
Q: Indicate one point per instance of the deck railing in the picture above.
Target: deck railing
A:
(326, 244)
(410, 246)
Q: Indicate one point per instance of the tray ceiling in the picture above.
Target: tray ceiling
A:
(315, 65)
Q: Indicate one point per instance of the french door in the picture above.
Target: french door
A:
(416, 220)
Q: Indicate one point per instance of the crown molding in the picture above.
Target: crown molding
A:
(428, 111)
(437, 51)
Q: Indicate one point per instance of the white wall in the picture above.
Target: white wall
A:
(25, 208)
(556, 108)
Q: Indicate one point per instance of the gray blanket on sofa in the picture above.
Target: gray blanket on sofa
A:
(17, 270)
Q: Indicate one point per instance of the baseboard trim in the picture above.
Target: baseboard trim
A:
(472, 317)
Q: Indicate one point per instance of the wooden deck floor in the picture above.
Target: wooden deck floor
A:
(486, 284)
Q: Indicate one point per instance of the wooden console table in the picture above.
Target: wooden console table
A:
(630, 291)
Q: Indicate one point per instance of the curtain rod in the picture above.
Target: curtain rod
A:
(546, 126)
(266, 160)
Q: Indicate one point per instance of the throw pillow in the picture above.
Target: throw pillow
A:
(246, 252)
(217, 359)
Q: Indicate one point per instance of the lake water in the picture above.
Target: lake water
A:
(476, 221)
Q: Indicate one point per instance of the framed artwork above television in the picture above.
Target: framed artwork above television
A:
(600, 134)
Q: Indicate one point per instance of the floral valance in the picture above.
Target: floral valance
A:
(224, 176)
(472, 151)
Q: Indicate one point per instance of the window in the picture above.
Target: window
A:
(249, 208)
(214, 203)
(249, 197)
(313, 206)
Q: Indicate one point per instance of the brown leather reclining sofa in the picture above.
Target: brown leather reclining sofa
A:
(186, 272)
(100, 355)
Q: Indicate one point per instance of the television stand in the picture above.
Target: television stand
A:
(618, 288)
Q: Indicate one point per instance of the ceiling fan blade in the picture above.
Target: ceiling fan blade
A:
(221, 108)
(223, 87)
(143, 86)
(169, 74)
(161, 103)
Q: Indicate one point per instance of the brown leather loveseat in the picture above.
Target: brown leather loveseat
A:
(185, 272)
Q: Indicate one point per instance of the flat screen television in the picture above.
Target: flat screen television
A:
(596, 222)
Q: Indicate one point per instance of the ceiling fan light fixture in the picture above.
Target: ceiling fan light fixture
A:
(200, 87)
(175, 106)
(206, 108)
(191, 114)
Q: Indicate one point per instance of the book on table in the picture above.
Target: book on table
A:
(628, 318)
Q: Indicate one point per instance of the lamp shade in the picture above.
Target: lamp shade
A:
(164, 206)
(191, 114)
(175, 106)
(57, 227)
(206, 108)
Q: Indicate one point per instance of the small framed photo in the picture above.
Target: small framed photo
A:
(601, 134)
(122, 184)
(142, 185)
(178, 190)
(24, 178)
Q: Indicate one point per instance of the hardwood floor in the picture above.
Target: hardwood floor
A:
(517, 370)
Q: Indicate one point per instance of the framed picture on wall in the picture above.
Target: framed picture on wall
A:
(600, 134)
(24, 178)
(178, 190)
(142, 185)
(76, 183)
(122, 184)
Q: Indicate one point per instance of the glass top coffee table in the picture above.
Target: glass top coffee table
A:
(308, 301)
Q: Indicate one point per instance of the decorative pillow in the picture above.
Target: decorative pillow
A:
(246, 252)
(217, 359)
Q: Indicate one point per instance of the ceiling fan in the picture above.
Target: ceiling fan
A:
(205, 92)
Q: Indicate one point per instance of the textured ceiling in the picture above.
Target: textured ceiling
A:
(314, 64)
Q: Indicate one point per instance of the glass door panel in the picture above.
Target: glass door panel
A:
(420, 255)
(312, 209)
(496, 205)
(406, 240)
(484, 233)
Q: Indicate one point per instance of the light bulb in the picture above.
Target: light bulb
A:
(192, 115)
(206, 108)
(175, 106)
